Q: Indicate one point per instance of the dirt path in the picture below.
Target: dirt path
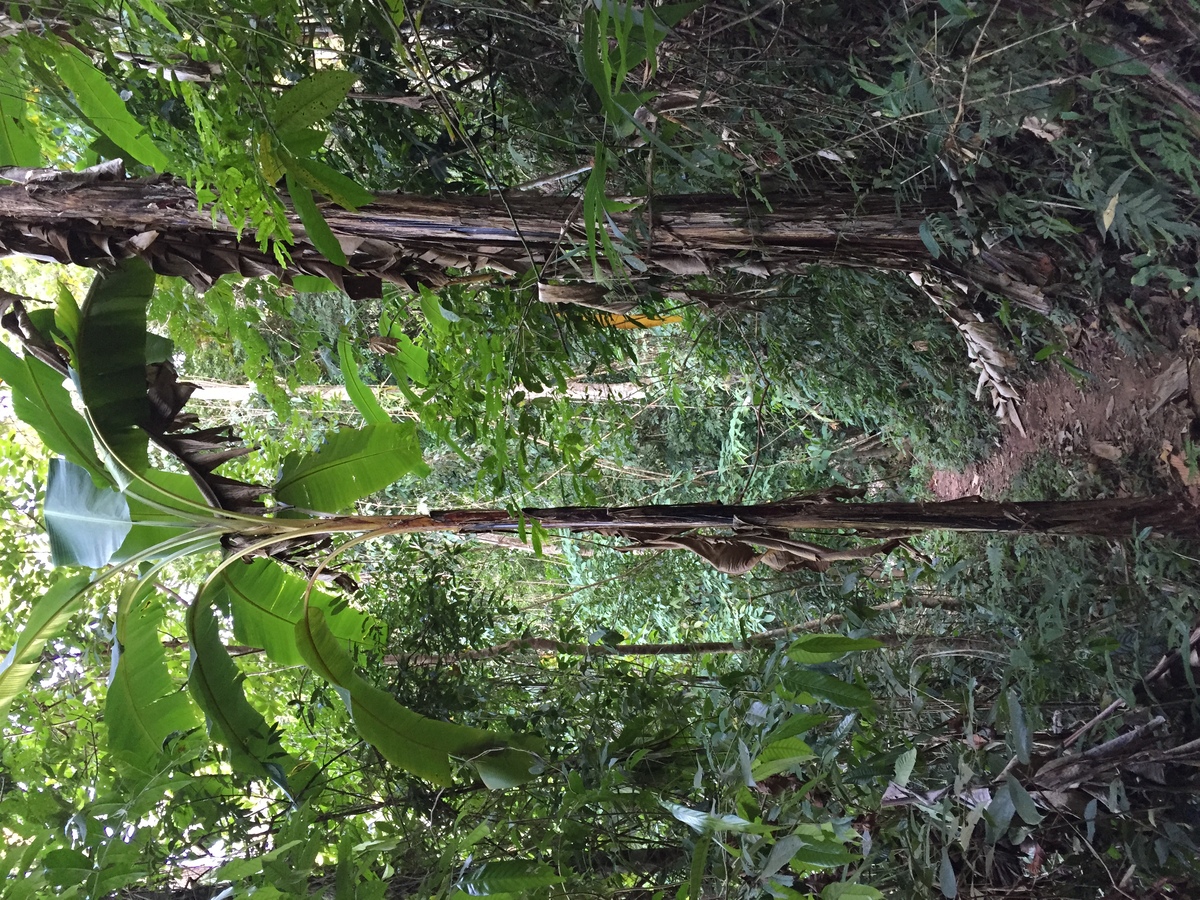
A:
(1125, 411)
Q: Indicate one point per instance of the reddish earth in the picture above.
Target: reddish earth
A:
(1126, 409)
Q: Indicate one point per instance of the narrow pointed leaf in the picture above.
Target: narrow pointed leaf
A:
(822, 648)
(144, 704)
(104, 107)
(267, 601)
(796, 725)
(311, 100)
(47, 617)
(315, 226)
(345, 192)
(845, 694)
(86, 524)
(216, 684)
(42, 402)
(406, 739)
(360, 393)
(509, 876)
(780, 756)
(352, 464)
(111, 363)
(18, 146)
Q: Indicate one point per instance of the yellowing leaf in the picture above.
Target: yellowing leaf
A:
(1110, 212)
(626, 322)
(268, 161)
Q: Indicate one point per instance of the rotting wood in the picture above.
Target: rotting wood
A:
(94, 217)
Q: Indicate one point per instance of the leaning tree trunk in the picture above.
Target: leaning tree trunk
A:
(71, 217)
(726, 535)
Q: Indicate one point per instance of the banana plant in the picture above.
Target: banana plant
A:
(112, 515)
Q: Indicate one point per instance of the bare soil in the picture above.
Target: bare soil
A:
(1126, 413)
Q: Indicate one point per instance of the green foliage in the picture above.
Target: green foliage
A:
(754, 774)
(361, 395)
(267, 602)
(411, 741)
(48, 616)
(144, 706)
(111, 365)
(216, 685)
(42, 402)
(352, 464)
(18, 146)
(102, 106)
(86, 524)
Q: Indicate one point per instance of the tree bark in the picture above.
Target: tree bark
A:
(410, 239)
(1121, 517)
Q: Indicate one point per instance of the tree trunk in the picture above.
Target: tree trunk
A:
(1121, 517)
(71, 217)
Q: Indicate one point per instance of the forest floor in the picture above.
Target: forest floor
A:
(1126, 417)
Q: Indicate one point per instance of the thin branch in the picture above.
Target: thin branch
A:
(551, 647)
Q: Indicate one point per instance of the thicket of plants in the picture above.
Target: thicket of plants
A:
(279, 672)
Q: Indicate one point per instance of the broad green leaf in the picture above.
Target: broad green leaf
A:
(871, 87)
(779, 756)
(849, 890)
(957, 8)
(144, 704)
(345, 192)
(154, 526)
(311, 100)
(845, 694)
(1019, 728)
(352, 464)
(315, 226)
(1022, 802)
(156, 12)
(18, 146)
(47, 616)
(245, 867)
(510, 876)
(86, 524)
(159, 349)
(67, 315)
(671, 14)
(437, 316)
(104, 107)
(822, 849)
(360, 394)
(780, 855)
(216, 685)
(822, 648)
(796, 725)
(406, 739)
(267, 601)
(312, 284)
(711, 823)
(904, 766)
(927, 238)
(409, 360)
(1114, 59)
(66, 868)
(947, 880)
(111, 363)
(41, 401)
(501, 768)
(999, 813)
(697, 868)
